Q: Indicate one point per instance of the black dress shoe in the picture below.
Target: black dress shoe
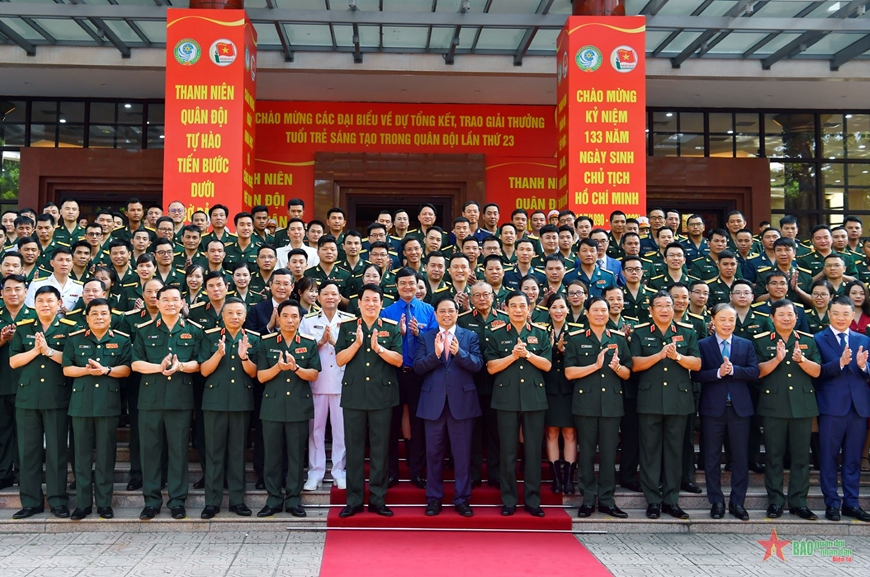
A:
(728, 467)
(691, 488)
(210, 511)
(28, 512)
(297, 511)
(632, 486)
(163, 484)
(392, 482)
(105, 512)
(260, 485)
(803, 513)
(72, 486)
(268, 511)
(613, 511)
(433, 507)
(349, 511)
(585, 511)
(178, 512)
(61, 512)
(856, 513)
(134, 485)
(419, 482)
(80, 514)
(381, 510)
(494, 483)
(774, 511)
(674, 511)
(9, 482)
(653, 511)
(241, 510)
(717, 510)
(533, 511)
(738, 511)
(832, 513)
(148, 513)
(200, 484)
(756, 467)
(464, 509)
(508, 510)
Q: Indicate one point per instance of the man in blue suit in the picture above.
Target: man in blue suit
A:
(602, 239)
(728, 365)
(843, 396)
(448, 358)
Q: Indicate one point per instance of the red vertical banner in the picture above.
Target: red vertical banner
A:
(210, 109)
(601, 115)
(526, 183)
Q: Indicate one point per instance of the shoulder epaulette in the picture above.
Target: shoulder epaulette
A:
(68, 322)
(805, 270)
(635, 319)
(712, 280)
(763, 268)
(21, 323)
(802, 333)
(77, 281)
(344, 321)
(540, 326)
(78, 332)
(197, 304)
(641, 325)
(133, 312)
(117, 312)
(145, 324)
(699, 317)
(311, 314)
(270, 336)
(500, 312)
(468, 312)
(575, 333)
(391, 321)
(657, 277)
(541, 308)
(73, 312)
(309, 337)
(759, 335)
(122, 333)
(758, 304)
(685, 325)
(128, 285)
(761, 313)
(442, 289)
(210, 331)
(250, 332)
(194, 323)
(578, 325)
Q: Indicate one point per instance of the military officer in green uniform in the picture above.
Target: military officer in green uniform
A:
(227, 359)
(287, 363)
(96, 358)
(517, 355)
(597, 357)
(41, 404)
(789, 361)
(165, 353)
(370, 349)
(12, 311)
(663, 353)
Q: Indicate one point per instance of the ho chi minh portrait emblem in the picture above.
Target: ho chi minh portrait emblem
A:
(187, 52)
(589, 59)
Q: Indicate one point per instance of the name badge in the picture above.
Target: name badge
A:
(532, 340)
(677, 339)
(301, 350)
(613, 346)
(111, 345)
(383, 334)
(186, 336)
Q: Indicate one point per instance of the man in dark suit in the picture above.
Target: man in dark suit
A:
(448, 359)
(844, 406)
(728, 364)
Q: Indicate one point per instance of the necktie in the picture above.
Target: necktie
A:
(600, 263)
(843, 341)
(726, 352)
(445, 338)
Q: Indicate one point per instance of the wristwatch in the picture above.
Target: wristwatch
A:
(50, 353)
(380, 349)
(679, 357)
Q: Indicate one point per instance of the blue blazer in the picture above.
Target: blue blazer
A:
(714, 391)
(453, 380)
(259, 315)
(837, 390)
(615, 267)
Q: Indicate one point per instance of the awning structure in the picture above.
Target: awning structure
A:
(769, 31)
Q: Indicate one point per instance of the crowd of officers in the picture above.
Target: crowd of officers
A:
(191, 333)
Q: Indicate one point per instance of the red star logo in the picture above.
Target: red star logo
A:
(773, 546)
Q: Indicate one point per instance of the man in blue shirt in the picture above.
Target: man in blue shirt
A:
(414, 317)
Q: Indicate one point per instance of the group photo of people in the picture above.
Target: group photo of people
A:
(529, 351)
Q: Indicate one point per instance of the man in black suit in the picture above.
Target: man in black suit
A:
(728, 365)
(262, 319)
(448, 358)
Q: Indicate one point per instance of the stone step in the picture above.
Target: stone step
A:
(787, 527)
(127, 521)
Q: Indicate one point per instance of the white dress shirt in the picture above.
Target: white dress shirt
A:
(328, 381)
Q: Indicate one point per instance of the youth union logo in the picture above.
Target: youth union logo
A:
(223, 52)
(187, 52)
(623, 59)
(589, 59)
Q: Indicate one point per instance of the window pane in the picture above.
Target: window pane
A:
(43, 135)
(156, 113)
(692, 145)
(12, 111)
(833, 187)
(746, 122)
(72, 111)
(832, 136)
(721, 145)
(155, 137)
(102, 113)
(664, 122)
(44, 111)
(665, 145)
(721, 122)
(101, 136)
(129, 113)
(792, 186)
(71, 136)
(857, 135)
(748, 145)
(691, 122)
(12, 134)
(790, 135)
(858, 180)
(129, 137)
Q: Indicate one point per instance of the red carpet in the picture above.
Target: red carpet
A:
(427, 554)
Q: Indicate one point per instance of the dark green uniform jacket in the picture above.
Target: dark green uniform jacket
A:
(666, 387)
(599, 394)
(369, 382)
(228, 388)
(519, 387)
(41, 384)
(287, 398)
(153, 342)
(96, 396)
(788, 392)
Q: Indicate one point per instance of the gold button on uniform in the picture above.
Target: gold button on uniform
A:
(522, 380)
(666, 369)
(603, 389)
(97, 386)
(790, 388)
(665, 384)
(288, 393)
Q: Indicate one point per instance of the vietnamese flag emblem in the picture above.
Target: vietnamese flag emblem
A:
(627, 56)
(223, 52)
(624, 59)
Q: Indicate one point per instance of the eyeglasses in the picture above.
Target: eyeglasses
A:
(93, 234)
(820, 295)
(481, 295)
(176, 211)
(661, 307)
(742, 293)
(633, 269)
(163, 252)
(576, 294)
(780, 284)
(697, 292)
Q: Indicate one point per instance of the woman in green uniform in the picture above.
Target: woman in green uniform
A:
(821, 292)
(558, 418)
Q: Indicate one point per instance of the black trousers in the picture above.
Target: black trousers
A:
(629, 437)
(409, 394)
(714, 432)
(485, 438)
(198, 433)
